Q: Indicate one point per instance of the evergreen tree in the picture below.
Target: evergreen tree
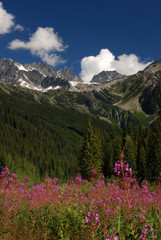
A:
(130, 130)
(141, 141)
(109, 160)
(154, 155)
(2, 162)
(125, 133)
(90, 155)
(141, 162)
(117, 147)
(130, 152)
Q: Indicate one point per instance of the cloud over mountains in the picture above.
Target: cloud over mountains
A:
(44, 43)
(106, 61)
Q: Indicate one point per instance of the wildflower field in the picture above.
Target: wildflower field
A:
(95, 209)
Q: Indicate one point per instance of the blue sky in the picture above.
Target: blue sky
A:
(85, 36)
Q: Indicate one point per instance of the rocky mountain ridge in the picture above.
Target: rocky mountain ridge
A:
(36, 76)
(43, 77)
(110, 95)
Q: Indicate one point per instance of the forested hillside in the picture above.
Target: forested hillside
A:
(39, 139)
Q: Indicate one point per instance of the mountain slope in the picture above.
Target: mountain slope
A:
(106, 76)
(111, 98)
(144, 87)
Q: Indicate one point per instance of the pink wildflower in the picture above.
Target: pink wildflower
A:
(14, 175)
(5, 172)
(115, 237)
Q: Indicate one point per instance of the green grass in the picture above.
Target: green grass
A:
(141, 116)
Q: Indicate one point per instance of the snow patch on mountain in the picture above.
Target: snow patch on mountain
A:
(21, 67)
(74, 84)
(23, 83)
(57, 87)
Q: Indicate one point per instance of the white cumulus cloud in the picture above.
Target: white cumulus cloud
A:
(106, 61)
(129, 64)
(6, 20)
(91, 65)
(44, 43)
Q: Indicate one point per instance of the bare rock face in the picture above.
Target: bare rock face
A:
(153, 67)
(37, 76)
(106, 76)
(67, 74)
(14, 73)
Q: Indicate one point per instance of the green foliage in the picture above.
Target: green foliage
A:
(90, 156)
(130, 152)
(141, 162)
(37, 139)
(154, 153)
(145, 120)
(108, 159)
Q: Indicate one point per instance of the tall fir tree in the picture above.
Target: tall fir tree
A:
(90, 155)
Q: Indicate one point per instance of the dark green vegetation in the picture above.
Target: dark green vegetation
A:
(91, 154)
(142, 149)
(41, 134)
(38, 138)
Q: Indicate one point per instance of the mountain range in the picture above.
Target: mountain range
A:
(42, 77)
(110, 96)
